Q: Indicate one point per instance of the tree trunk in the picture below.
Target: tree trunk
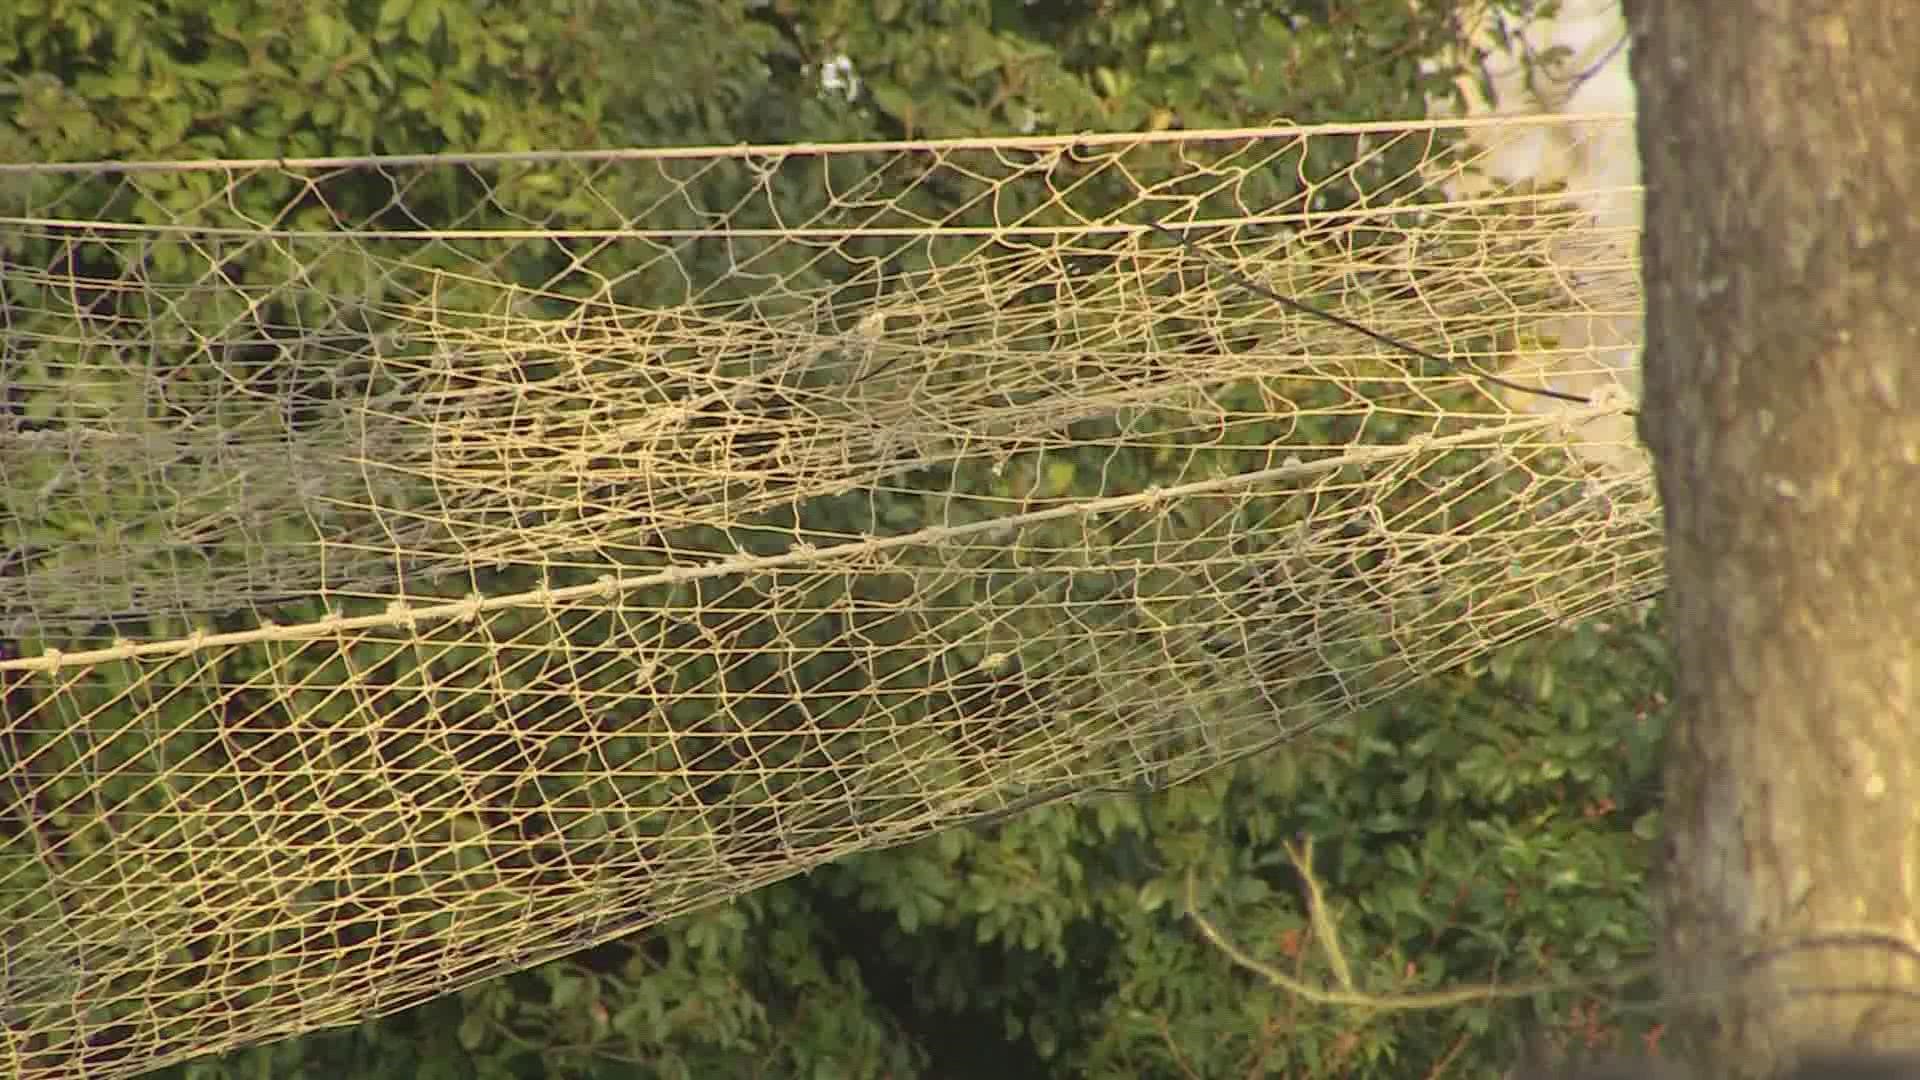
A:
(1780, 142)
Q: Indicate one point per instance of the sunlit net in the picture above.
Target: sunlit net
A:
(418, 568)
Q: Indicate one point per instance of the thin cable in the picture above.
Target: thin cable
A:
(1343, 322)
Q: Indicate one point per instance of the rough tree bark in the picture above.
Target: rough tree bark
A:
(1780, 141)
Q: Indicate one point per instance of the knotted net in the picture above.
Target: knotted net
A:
(416, 568)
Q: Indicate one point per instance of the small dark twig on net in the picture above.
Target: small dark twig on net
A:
(1234, 275)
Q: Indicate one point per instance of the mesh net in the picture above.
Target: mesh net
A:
(418, 568)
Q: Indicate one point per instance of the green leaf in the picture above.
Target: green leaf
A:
(567, 990)
(325, 34)
(423, 18)
(1647, 826)
(891, 99)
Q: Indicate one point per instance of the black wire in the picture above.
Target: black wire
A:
(1574, 84)
(1345, 323)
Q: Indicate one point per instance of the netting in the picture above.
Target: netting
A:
(417, 568)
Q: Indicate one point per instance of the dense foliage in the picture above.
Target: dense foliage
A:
(1488, 827)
